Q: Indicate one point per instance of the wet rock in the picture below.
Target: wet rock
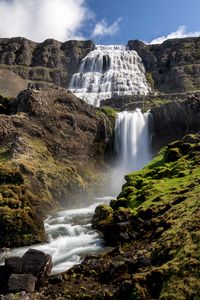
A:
(38, 264)
(21, 282)
(102, 216)
(14, 264)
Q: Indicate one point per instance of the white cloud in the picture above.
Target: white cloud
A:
(42, 19)
(181, 32)
(102, 28)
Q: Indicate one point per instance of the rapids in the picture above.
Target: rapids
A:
(70, 237)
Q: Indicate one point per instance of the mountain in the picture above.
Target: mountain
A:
(56, 150)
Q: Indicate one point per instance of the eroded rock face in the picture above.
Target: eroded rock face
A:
(174, 120)
(174, 65)
(50, 61)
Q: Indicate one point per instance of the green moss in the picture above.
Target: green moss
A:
(166, 195)
(109, 112)
(150, 79)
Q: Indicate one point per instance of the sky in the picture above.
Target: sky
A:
(103, 21)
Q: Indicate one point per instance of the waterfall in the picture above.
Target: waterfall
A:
(109, 71)
(133, 140)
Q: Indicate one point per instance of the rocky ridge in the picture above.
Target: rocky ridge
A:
(51, 62)
(172, 66)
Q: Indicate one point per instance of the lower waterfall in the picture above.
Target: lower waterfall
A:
(132, 145)
(132, 140)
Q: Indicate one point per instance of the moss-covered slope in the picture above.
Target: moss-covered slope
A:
(158, 212)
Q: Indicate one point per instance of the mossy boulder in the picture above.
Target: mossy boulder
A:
(102, 216)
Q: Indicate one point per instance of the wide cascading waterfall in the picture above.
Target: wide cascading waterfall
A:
(109, 71)
(133, 144)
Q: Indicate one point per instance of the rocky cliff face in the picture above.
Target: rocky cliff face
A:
(171, 67)
(50, 61)
(52, 153)
(174, 120)
(174, 65)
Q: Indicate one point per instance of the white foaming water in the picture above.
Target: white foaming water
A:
(109, 71)
(133, 139)
(70, 237)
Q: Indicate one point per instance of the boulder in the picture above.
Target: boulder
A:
(38, 264)
(14, 264)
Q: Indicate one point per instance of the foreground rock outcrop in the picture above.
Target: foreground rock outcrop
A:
(24, 274)
(52, 152)
(154, 229)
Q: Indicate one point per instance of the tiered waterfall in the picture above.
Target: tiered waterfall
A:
(109, 71)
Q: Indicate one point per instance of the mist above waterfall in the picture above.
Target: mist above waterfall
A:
(109, 71)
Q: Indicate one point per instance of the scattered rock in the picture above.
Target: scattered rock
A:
(24, 274)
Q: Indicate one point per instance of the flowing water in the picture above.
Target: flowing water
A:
(133, 144)
(70, 237)
(109, 71)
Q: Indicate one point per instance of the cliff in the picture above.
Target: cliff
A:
(172, 66)
(175, 119)
(52, 154)
(53, 62)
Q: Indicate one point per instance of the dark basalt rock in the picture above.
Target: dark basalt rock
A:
(38, 264)
(25, 274)
(173, 121)
(14, 265)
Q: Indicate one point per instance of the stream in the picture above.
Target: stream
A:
(70, 237)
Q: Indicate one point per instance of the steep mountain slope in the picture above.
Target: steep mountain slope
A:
(52, 152)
